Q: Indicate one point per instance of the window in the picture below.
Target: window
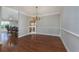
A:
(3, 24)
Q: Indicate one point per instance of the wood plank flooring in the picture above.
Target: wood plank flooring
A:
(36, 43)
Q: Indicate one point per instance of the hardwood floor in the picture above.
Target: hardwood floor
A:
(36, 43)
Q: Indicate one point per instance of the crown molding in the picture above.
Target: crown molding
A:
(16, 10)
(48, 14)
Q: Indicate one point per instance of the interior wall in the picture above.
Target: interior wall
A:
(19, 19)
(23, 25)
(70, 28)
(49, 25)
(0, 17)
(8, 14)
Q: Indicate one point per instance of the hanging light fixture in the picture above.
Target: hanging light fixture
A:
(36, 17)
(36, 13)
(33, 21)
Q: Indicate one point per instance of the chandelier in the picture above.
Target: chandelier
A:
(36, 17)
(33, 21)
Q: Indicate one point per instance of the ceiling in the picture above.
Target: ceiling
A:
(42, 10)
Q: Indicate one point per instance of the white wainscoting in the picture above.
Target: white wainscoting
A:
(70, 40)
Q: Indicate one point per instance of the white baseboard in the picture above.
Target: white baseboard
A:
(40, 34)
(49, 34)
(22, 35)
(65, 45)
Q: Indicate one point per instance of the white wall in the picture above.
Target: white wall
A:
(0, 17)
(23, 25)
(70, 28)
(7, 12)
(20, 20)
(49, 25)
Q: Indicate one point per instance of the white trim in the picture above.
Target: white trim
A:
(16, 10)
(76, 35)
(55, 13)
(26, 34)
(40, 34)
(71, 33)
(48, 34)
(22, 35)
(32, 32)
(10, 9)
(47, 14)
(65, 45)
